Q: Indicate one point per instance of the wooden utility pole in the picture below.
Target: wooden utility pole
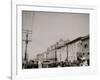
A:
(55, 52)
(26, 42)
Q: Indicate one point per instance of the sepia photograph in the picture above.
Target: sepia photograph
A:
(55, 39)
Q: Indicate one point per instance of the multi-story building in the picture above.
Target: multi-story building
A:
(67, 50)
(61, 50)
(74, 48)
(85, 47)
(51, 53)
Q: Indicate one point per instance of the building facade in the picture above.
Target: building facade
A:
(67, 50)
(41, 57)
(74, 48)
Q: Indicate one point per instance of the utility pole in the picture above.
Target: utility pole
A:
(67, 53)
(26, 42)
(48, 52)
(55, 52)
(67, 50)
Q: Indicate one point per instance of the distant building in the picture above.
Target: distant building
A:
(61, 51)
(51, 53)
(41, 57)
(67, 50)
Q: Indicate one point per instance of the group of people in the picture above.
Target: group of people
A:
(81, 61)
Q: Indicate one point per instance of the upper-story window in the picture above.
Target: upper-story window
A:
(85, 45)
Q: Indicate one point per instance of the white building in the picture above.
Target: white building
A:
(74, 48)
(67, 50)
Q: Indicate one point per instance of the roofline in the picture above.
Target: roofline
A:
(77, 39)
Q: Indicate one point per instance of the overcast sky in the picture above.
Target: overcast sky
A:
(48, 27)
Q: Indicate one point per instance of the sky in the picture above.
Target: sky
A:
(49, 27)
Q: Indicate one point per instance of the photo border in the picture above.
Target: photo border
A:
(16, 32)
